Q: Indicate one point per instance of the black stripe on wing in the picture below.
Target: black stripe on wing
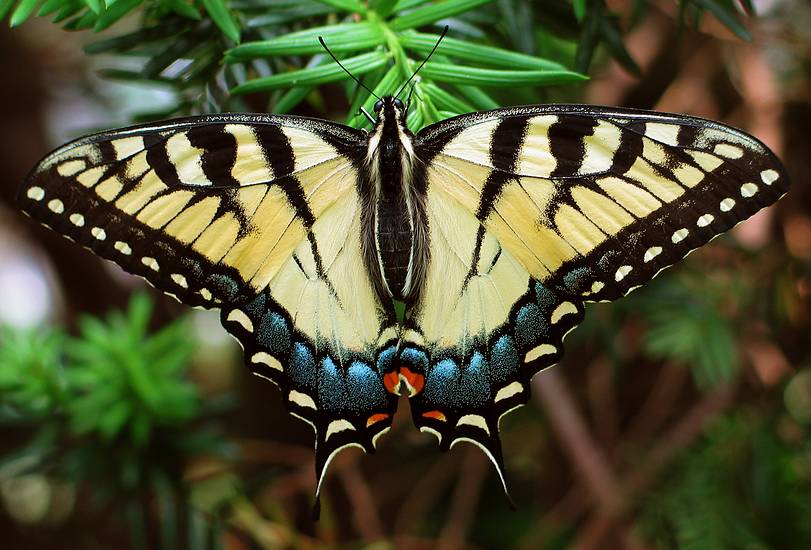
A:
(738, 176)
(566, 143)
(633, 191)
(167, 201)
(164, 262)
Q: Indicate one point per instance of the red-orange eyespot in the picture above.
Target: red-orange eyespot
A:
(416, 381)
(437, 415)
(391, 380)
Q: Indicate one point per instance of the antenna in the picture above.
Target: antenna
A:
(424, 61)
(353, 77)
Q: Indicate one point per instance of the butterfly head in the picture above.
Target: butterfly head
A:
(390, 108)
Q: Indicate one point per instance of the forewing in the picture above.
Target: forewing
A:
(196, 205)
(595, 201)
(255, 215)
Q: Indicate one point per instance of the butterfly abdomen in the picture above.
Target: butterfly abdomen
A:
(395, 243)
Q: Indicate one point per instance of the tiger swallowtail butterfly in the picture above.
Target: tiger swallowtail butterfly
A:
(446, 265)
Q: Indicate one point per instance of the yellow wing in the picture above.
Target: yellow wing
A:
(534, 210)
(596, 201)
(255, 215)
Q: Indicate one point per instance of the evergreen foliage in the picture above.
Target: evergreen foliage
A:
(110, 411)
(271, 46)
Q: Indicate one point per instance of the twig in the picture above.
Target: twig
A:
(602, 401)
(676, 440)
(464, 501)
(590, 461)
(365, 516)
(679, 437)
(571, 428)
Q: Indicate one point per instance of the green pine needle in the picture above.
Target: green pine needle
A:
(422, 44)
(358, 65)
(474, 76)
(219, 13)
(434, 12)
(23, 11)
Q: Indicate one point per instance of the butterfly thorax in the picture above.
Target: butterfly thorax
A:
(393, 220)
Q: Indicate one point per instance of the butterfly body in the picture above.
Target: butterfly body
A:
(394, 237)
(493, 229)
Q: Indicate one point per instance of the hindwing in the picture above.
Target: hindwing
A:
(481, 328)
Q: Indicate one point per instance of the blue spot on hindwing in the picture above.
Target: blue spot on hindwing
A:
(448, 386)
(440, 377)
(302, 367)
(503, 360)
(274, 333)
(384, 359)
(360, 389)
(365, 388)
(257, 306)
(575, 280)
(223, 285)
(529, 325)
(332, 393)
(545, 297)
(475, 380)
(479, 364)
(414, 359)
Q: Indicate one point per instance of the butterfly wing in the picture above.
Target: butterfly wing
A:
(255, 215)
(534, 211)
(479, 316)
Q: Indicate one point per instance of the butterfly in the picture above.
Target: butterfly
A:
(355, 267)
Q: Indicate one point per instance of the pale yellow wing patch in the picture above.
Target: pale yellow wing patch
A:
(339, 310)
(454, 309)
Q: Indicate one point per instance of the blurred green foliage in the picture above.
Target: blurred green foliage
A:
(745, 485)
(687, 324)
(108, 410)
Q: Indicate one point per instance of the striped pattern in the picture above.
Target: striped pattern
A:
(190, 192)
(575, 188)
(493, 229)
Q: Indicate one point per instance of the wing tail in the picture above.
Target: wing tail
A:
(344, 401)
(469, 388)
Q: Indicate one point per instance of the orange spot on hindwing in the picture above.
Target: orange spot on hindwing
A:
(392, 382)
(377, 417)
(437, 415)
(414, 380)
